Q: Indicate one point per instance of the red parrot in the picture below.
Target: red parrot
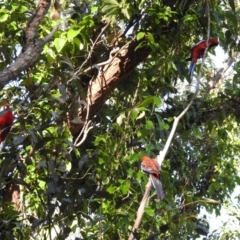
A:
(6, 120)
(151, 167)
(198, 50)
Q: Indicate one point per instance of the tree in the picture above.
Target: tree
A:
(95, 86)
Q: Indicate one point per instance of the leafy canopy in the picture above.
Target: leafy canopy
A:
(93, 189)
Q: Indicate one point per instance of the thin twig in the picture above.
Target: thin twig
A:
(86, 127)
(50, 35)
(86, 123)
(86, 131)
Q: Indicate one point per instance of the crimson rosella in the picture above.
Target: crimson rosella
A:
(6, 120)
(198, 50)
(151, 167)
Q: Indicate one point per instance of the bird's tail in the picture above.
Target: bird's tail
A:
(2, 145)
(157, 185)
(191, 68)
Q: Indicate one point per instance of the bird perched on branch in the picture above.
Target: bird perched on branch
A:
(6, 121)
(151, 167)
(198, 50)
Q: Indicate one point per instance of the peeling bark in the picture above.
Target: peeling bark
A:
(12, 194)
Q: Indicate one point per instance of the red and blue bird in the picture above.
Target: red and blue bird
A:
(6, 121)
(198, 50)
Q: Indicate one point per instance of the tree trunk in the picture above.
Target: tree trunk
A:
(109, 77)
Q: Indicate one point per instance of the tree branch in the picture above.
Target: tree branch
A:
(32, 48)
(141, 209)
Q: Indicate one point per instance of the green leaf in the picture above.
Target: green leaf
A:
(148, 100)
(149, 124)
(94, 9)
(99, 139)
(170, 119)
(149, 211)
(101, 161)
(157, 101)
(111, 189)
(140, 35)
(60, 43)
(125, 13)
(72, 33)
(23, 9)
(197, 133)
(124, 187)
(110, 2)
(110, 9)
(4, 17)
(150, 38)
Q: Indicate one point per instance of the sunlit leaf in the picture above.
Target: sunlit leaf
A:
(72, 33)
(59, 43)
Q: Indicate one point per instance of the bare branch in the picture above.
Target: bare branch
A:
(50, 35)
(141, 209)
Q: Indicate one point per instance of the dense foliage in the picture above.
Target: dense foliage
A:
(77, 173)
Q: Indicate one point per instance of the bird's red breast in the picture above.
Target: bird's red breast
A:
(6, 120)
